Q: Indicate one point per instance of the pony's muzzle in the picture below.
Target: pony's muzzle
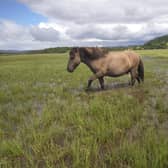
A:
(69, 69)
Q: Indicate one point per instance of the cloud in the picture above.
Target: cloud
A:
(128, 33)
(10, 30)
(98, 32)
(14, 36)
(87, 23)
(44, 34)
(99, 11)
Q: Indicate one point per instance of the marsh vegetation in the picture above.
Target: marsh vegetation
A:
(47, 119)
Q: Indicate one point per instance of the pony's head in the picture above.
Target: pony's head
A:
(74, 59)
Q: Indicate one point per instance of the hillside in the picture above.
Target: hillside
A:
(47, 50)
(51, 50)
(157, 43)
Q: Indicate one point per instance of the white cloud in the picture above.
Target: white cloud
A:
(14, 36)
(99, 11)
(10, 30)
(44, 34)
(88, 23)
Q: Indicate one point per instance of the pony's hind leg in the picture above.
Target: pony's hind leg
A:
(101, 81)
(134, 76)
(138, 79)
(89, 83)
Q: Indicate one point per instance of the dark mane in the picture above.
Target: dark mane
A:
(93, 52)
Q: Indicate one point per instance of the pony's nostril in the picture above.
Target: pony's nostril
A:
(69, 69)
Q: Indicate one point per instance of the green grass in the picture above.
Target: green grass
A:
(154, 52)
(48, 120)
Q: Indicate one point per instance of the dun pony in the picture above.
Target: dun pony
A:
(104, 63)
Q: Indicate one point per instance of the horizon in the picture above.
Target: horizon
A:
(34, 25)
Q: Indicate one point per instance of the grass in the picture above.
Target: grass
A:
(154, 52)
(48, 120)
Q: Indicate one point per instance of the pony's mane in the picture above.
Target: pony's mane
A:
(93, 52)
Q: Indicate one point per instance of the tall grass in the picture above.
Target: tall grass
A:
(48, 120)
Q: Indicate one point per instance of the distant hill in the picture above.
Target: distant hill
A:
(51, 50)
(157, 43)
(10, 51)
(47, 50)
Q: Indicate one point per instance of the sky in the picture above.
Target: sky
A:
(38, 24)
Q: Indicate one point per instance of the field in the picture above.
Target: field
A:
(47, 119)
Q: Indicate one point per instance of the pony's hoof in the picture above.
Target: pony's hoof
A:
(129, 83)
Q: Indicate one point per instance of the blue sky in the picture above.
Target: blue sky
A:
(37, 24)
(19, 13)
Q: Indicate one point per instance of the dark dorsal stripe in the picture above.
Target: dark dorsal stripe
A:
(92, 52)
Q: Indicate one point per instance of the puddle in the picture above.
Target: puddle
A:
(97, 88)
(111, 86)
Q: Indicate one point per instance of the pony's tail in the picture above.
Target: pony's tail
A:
(141, 70)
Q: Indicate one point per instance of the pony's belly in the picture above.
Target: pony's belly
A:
(116, 74)
(118, 69)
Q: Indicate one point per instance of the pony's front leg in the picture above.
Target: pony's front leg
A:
(98, 75)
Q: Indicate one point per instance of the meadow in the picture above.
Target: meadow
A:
(47, 119)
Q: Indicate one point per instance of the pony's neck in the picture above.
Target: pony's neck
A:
(85, 59)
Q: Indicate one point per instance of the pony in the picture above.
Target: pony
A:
(106, 63)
